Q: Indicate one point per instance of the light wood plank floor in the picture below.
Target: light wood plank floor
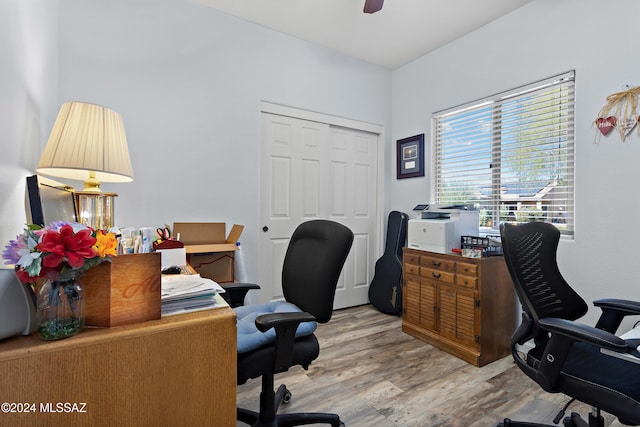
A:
(372, 374)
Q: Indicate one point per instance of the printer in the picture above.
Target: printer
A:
(440, 229)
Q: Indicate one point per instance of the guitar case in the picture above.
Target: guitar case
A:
(385, 291)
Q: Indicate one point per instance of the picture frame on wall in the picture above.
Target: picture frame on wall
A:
(410, 157)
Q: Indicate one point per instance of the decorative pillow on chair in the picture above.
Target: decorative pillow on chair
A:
(250, 338)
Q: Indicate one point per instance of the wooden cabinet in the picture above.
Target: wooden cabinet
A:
(464, 306)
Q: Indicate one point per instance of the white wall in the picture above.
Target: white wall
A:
(539, 40)
(188, 81)
(28, 82)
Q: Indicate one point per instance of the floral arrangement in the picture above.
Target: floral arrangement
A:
(58, 252)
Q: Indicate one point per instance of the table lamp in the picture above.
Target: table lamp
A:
(88, 142)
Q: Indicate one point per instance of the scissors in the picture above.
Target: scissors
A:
(164, 232)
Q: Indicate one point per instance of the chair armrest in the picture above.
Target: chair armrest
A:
(282, 320)
(613, 311)
(235, 292)
(563, 334)
(584, 333)
(239, 286)
(624, 305)
(286, 325)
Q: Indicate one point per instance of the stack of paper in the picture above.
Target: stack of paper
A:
(188, 292)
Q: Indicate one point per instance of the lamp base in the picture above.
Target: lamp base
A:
(92, 184)
(96, 209)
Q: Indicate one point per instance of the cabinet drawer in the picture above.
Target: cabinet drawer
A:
(467, 269)
(411, 269)
(411, 258)
(439, 275)
(466, 281)
(440, 264)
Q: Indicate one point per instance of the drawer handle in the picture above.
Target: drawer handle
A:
(436, 264)
(436, 275)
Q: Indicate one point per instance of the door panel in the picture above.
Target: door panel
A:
(428, 305)
(313, 170)
(411, 303)
(448, 313)
(280, 204)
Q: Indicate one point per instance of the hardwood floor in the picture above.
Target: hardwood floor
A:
(372, 374)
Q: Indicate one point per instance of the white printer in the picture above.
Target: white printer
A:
(440, 229)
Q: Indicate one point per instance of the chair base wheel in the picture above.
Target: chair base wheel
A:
(572, 421)
(271, 418)
(288, 420)
(509, 423)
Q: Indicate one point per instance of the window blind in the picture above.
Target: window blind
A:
(510, 155)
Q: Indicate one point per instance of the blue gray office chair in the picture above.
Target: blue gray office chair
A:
(567, 356)
(275, 336)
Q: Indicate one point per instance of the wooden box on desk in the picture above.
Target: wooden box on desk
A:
(123, 291)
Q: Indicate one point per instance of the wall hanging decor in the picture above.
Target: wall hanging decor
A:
(620, 111)
(410, 157)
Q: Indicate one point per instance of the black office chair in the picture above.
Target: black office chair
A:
(312, 265)
(567, 357)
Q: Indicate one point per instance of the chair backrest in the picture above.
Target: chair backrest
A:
(530, 253)
(312, 265)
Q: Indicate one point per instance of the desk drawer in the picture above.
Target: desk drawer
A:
(466, 281)
(411, 269)
(439, 264)
(410, 258)
(468, 269)
(439, 275)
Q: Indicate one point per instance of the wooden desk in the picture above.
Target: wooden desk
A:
(176, 371)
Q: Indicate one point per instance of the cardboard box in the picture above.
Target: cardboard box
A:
(123, 291)
(210, 251)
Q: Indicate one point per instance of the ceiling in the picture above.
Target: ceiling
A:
(401, 32)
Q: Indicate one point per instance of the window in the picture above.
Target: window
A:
(511, 155)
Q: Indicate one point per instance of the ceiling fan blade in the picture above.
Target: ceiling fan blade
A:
(372, 6)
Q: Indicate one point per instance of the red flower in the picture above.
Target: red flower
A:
(23, 276)
(65, 245)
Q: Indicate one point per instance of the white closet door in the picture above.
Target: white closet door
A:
(314, 170)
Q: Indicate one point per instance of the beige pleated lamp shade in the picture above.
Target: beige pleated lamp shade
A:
(87, 141)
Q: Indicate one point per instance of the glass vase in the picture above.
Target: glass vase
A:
(60, 309)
